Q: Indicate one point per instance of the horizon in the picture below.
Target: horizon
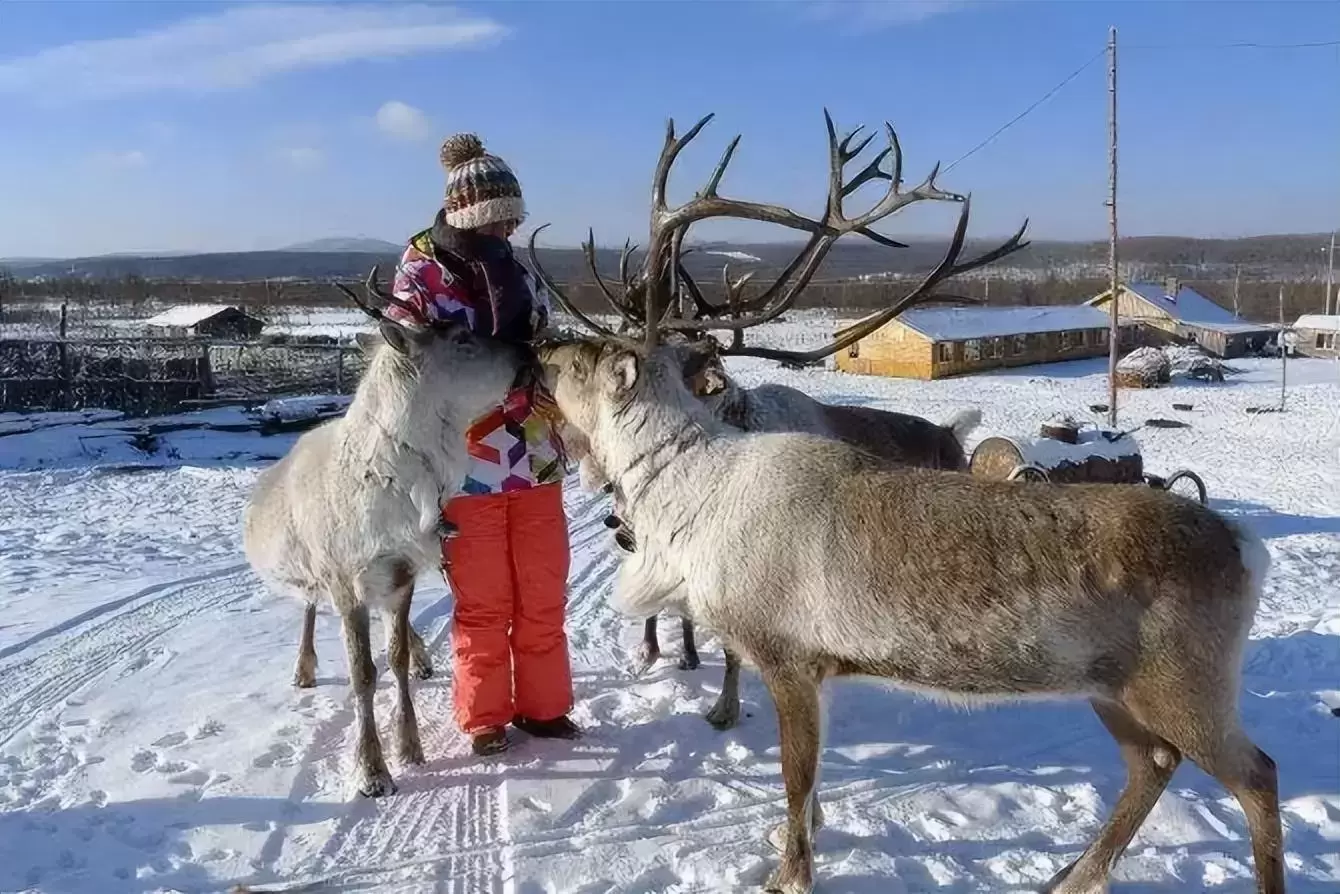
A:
(300, 247)
(222, 128)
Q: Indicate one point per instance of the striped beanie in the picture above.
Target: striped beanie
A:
(481, 188)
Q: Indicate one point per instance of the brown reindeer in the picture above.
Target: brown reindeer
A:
(811, 560)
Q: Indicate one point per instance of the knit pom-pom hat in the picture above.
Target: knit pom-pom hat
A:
(481, 188)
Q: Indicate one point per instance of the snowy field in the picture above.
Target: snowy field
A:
(150, 740)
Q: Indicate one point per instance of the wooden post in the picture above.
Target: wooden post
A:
(1330, 278)
(1284, 353)
(1114, 323)
(64, 350)
(1237, 283)
(339, 368)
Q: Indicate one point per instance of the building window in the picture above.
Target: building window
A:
(944, 352)
(1100, 336)
(972, 350)
(993, 348)
(1321, 339)
(1064, 340)
(1021, 344)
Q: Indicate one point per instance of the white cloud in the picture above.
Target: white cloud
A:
(303, 158)
(874, 14)
(120, 160)
(402, 122)
(240, 47)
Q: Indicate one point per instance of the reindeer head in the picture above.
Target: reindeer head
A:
(443, 360)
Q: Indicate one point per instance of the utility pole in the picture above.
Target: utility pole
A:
(1237, 283)
(1284, 352)
(1114, 325)
(1330, 278)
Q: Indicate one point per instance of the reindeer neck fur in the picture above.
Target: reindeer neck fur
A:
(396, 434)
(652, 444)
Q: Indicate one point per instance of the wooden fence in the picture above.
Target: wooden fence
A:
(145, 376)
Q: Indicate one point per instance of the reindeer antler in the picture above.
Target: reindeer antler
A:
(662, 276)
(374, 291)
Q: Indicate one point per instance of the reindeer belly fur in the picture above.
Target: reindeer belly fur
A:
(903, 571)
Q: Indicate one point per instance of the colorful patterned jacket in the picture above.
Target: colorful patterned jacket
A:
(516, 445)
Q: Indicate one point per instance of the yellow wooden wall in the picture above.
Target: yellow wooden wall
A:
(896, 350)
(893, 350)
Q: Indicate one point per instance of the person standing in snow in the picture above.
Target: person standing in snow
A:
(507, 560)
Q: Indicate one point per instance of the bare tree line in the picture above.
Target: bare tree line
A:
(1258, 298)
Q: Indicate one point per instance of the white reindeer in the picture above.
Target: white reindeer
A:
(352, 511)
(812, 559)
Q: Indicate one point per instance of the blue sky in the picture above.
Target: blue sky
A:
(209, 126)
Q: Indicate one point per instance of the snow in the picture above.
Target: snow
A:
(957, 323)
(150, 740)
(735, 255)
(1324, 322)
(1189, 306)
(1049, 453)
(187, 314)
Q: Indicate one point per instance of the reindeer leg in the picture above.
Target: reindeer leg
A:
(1150, 763)
(796, 696)
(371, 777)
(420, 665)
(409, 750)
(726, 712)
(649, 651)
(689, 661)
(304, 672)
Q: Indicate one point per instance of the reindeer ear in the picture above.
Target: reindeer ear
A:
(399, 338)
(624, 369)
(712, 380)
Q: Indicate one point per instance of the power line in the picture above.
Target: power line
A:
(1017, 118)
(1238, 45)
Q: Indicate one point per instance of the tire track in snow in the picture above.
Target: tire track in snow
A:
(97, 643)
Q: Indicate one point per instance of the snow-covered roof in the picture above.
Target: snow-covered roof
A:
(187, 314)
(958, 323)
(1324, 322)
(1187, 306)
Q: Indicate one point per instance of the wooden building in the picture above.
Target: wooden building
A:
(1317, 335)
(205, 320)
(935, 342)
(1177, 312)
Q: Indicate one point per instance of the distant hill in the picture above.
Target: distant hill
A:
(345, 245)
(1282, 257)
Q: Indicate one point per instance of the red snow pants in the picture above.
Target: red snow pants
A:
(508, 571)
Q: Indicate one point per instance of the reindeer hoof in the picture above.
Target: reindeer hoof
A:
(375, 783)
(1066, 882)
(724, 714)
(790, 879)
(689, 662)
(304, 675)
(647, 656)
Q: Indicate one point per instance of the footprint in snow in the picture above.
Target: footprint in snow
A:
(280, 754)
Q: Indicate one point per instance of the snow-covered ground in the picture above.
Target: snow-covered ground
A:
(150, 740)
